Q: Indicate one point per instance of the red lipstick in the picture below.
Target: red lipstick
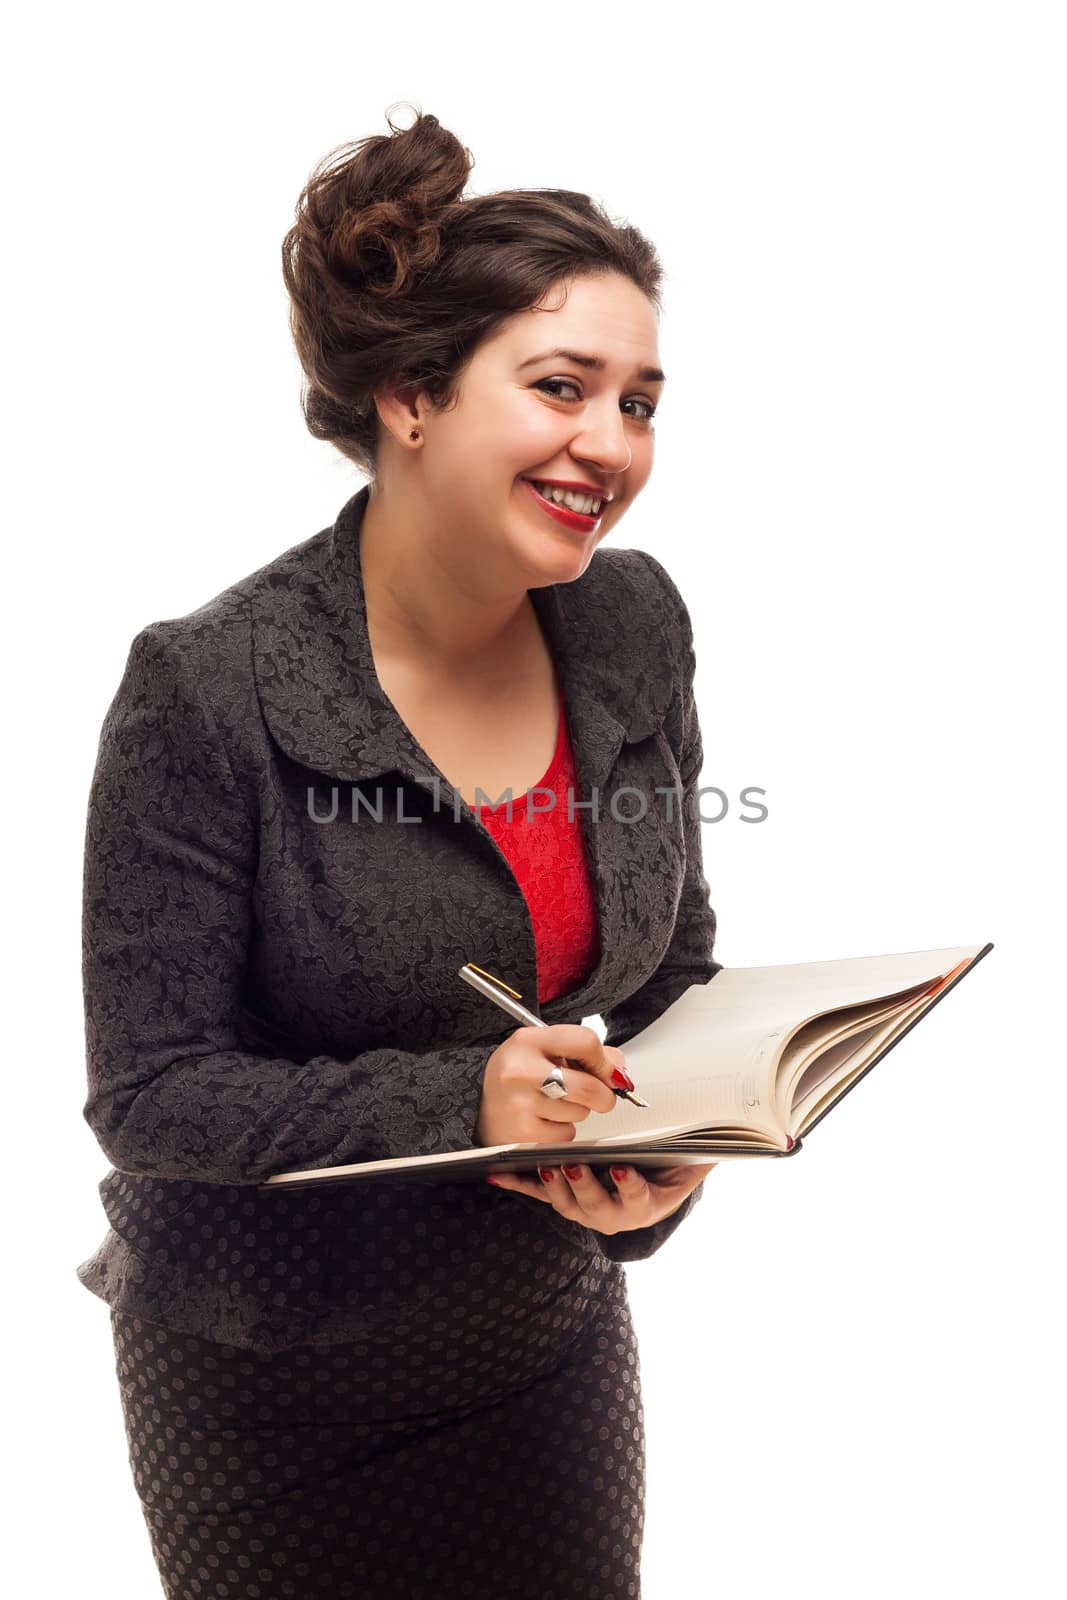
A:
(570, 519)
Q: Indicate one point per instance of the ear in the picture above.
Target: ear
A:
(401, 410)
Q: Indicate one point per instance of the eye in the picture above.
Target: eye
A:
(650, 408)
(547, 383)
(553, 384)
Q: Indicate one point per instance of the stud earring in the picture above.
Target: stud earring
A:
(414, 433)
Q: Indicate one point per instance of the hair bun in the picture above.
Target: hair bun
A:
(379, 205)
(395, 277)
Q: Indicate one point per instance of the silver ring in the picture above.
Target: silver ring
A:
(554, 1086)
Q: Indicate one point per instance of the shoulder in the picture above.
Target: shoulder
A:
(660, 651)
(210, 648)
(658, 587)
(634, 585)
(199, 668)
(218, 632)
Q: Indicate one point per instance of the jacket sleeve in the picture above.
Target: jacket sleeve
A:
(170, 862)
(689, 958)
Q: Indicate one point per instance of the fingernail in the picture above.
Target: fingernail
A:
(493, 1180)
(546, 1174)
(573, 1172)
(621, 1079)
(619, 1173)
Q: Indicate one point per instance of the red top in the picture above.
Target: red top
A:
(547, 855)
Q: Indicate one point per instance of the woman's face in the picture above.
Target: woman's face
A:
(525, 413)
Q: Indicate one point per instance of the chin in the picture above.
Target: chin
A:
(558, 560)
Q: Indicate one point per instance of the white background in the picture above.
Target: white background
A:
(848, 1358)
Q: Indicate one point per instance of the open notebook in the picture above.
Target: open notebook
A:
(743, 1065)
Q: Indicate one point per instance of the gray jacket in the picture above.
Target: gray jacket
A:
(266, 991)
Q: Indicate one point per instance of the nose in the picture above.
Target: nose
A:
(602, 441)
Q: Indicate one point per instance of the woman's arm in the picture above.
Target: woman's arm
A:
(170, 862)
(689, 958)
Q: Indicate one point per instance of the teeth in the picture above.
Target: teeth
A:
(585, 503)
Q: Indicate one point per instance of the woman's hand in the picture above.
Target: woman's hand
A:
(577, 1193)
(514, 1111)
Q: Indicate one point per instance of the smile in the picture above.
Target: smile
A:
(563, 510)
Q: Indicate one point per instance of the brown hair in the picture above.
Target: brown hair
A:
(394, 280)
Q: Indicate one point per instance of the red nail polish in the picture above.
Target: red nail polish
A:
(492, 1180)
(619, 1174)
(573, 1172)
(621, 1079)
(545, 1174)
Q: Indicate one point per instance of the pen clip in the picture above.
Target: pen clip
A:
(497, 983)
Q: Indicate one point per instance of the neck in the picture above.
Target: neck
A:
(424, 595)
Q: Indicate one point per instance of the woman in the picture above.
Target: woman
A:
(380, 1388)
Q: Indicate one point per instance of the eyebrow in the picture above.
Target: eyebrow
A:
(646, 374)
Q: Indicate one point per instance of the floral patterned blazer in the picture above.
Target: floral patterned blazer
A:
(264, 992)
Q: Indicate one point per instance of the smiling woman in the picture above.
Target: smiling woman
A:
(384, 1389)
(575, 445)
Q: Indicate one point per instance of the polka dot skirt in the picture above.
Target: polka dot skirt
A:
(408, 1464)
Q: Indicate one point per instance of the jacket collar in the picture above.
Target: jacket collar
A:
(324, 704)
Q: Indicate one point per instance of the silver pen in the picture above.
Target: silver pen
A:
(508, 1000)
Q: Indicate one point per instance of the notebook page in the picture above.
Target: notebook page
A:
(709, 1059)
